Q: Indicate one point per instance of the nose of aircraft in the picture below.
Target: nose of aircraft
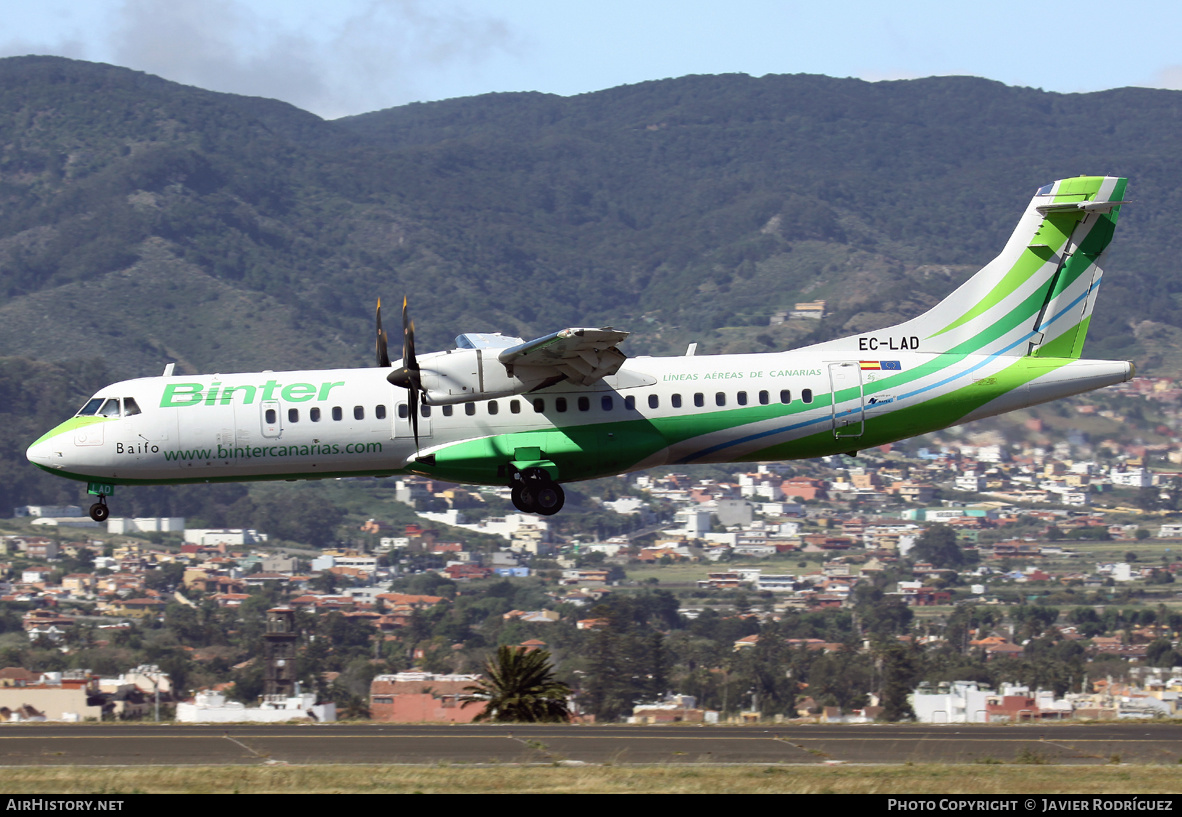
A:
(38, 453)
(46, 450)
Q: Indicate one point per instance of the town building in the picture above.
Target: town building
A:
(422, 697)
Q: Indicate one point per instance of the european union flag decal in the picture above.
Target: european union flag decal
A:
(890, 365)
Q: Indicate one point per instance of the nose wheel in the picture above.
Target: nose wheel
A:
(533, 491)
(99, 510)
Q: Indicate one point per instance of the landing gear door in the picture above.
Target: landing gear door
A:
(849, 401)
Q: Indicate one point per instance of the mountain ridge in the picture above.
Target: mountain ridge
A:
(682, 209)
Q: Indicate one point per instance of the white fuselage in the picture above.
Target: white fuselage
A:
(339, 422)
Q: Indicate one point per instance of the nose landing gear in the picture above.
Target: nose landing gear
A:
(534, 491)
(99, 510)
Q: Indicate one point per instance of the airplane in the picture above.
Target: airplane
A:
(571, 406)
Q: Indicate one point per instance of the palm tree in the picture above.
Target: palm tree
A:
(520, 687)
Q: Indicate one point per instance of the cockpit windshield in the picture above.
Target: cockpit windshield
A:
(91, 407)
(109, 407)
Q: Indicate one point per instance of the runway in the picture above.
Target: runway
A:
(186, 745)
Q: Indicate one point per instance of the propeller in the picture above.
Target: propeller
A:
(407, 375)
(383, 355)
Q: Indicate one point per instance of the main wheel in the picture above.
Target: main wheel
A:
(99, 512)
(524, 499)
(550, 498)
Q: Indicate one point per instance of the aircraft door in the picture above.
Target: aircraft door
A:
(204, 435)
(272, 421)
(849, 417)
(402, 428)
(248, 428)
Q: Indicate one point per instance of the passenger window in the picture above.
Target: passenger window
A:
(785, 396)
(539, 405)
(720, 398)
(699, 399)
(403, 411)
(358, 412)
(560, 404)
(806, 395)
(424, 410)
(130, 409)
(448, 411)
(741, 398)
(764, 398)
(271, 416)
(470, 409)
(606, 403)
(584, 403)
(675, 400)
(110, 408)
(314, 415)
(653, 401)
(91, 407)
(337, 414)
(293, 415)
(380, 412)
(493, 408)
(515, 406)
(630, 403)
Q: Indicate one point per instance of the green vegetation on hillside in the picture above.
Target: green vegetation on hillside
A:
(234, 233)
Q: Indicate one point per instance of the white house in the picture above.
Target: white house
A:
(146, 524)
(212, 707)
(957, 702)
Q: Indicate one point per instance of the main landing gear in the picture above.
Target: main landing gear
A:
(533, 491)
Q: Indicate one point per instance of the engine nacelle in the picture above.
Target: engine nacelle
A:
(460, 375)
(485, 367)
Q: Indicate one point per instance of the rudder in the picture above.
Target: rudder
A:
(1062, 325)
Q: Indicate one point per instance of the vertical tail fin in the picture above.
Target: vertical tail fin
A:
(1036, 297)
(1086, 210)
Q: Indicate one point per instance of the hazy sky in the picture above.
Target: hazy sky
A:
(353, 56)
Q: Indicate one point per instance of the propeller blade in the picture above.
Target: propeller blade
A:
(407, 375)
(414, 416)
(383, 353)
(408, 339)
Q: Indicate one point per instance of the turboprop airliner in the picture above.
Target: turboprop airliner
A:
(569, 406)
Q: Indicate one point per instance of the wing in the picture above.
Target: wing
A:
(582, 356)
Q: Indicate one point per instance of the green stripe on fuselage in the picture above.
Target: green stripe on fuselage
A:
(941, 411)
(601, 449)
